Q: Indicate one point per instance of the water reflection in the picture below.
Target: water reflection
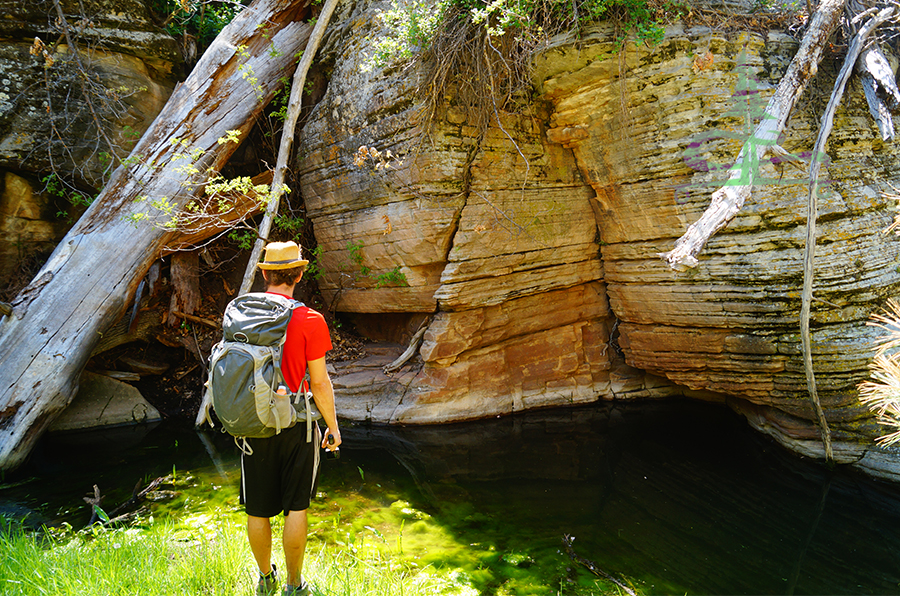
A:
(682, 497)
(679, 497)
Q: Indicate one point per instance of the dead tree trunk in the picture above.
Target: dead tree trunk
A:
(728, 200)
(88, 280)
(809, 252)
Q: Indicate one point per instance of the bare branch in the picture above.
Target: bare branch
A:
(728, 200)
(810, 248)
(287, 139)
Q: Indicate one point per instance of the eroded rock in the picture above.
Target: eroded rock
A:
(656, 138)
(537, 246)
(104, 401)
(68, 115)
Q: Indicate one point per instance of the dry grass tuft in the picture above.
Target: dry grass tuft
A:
(882, 393)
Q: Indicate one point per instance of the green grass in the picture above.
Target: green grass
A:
(206, 554)
(365, 538)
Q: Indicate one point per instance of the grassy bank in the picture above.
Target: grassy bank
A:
(200, 555)
(370, 534)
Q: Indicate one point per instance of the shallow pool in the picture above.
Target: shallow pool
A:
(670, 498)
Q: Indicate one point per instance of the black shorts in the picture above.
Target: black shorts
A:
(282, 473)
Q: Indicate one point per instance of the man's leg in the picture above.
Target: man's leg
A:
(259, 533)
(294, 541)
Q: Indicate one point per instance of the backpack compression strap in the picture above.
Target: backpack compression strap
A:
(279, 379)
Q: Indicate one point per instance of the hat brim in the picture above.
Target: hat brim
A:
(279, 266)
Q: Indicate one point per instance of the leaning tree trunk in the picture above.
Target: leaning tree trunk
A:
(728, 200)
(287, 140)
(84, 287)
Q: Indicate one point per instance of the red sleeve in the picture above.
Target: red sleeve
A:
(307, 339)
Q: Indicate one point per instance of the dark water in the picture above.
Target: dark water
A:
(676, 498)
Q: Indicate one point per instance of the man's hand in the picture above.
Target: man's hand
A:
(332, 439)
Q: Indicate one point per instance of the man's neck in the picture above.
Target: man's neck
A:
(284, 290)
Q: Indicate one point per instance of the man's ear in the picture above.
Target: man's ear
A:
(299, 277)
(265, 277)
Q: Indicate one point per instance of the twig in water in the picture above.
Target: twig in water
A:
(591, 566)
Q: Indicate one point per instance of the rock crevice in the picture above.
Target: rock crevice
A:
(570, 205)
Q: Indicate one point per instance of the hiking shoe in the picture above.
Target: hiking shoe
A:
(301, 590)
(268, 584)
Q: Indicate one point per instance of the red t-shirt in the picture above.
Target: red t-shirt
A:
(307, 339)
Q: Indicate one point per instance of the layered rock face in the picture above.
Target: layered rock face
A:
(532, 253)
(494, 236)
(68, 112)
(654, 136)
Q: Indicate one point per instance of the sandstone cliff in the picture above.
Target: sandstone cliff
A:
(534, 250)
(529, 255)
(68, 115)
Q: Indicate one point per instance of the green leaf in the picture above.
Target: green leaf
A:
(101, 514)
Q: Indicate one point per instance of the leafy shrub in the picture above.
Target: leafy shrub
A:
(203, 20)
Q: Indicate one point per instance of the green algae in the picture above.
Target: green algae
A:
(470, 535)
(468, 538)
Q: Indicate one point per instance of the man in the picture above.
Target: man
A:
(281, 473)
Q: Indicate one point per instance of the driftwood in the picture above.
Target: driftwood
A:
(196, 319)
(728, 200)
(809, 250)
(592, 566)
(94, 501)
(138, 495)
(120, 375)
(410, 351)
(88, 282)
(143, 367)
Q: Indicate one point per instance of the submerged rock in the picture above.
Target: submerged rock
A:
(104, 401)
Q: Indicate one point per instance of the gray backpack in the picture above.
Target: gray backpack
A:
(245, 371)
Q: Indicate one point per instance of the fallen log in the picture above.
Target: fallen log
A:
(195, 319)
(727, 201)
(87, 283)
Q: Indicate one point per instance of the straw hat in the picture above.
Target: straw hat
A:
(282, 255)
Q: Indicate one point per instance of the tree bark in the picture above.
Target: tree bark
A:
(87, 282)
(287, 141)
(185, 274)
(809, 250)
(728, 200)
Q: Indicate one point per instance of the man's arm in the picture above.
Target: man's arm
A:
(323, 395)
